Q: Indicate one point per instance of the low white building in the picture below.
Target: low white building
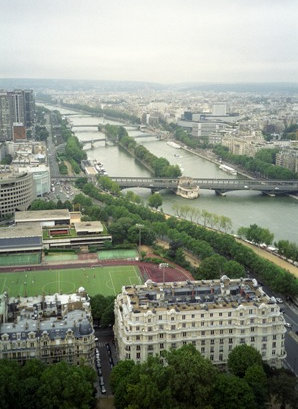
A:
(215, 316)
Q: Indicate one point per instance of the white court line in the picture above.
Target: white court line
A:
(112, 283)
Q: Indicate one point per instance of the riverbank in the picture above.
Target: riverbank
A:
(204, 154)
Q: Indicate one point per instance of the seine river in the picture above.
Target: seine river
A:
(279, 214)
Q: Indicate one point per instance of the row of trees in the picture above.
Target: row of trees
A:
(183, 379)
(200, 241)
(257, 166)
(160, 166)
(256, 234)
(204, 217)
(109, 112)
(287, 249)
(39, 204)
(40, 386)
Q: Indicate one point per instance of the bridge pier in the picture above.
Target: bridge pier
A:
(220, 193)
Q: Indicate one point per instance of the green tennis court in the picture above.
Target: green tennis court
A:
(61, 257)
(20, 259)
(98, 280)
(117, 254)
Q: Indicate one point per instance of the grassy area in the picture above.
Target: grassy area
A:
(98, 280)
(117, 254)
(60, 257)
(19, 259)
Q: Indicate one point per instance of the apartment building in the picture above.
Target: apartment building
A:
(16, 107)
(288, 158)
(51, 328)
(215, 316)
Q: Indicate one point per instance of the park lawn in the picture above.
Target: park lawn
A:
(106, 280)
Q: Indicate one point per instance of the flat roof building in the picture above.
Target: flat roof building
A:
(44, 217)
(214, 315)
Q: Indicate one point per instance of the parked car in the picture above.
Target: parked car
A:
(103, 389)
(279, 300)
(101, 381)
(288, 325)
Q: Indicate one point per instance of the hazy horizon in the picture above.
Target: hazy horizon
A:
(164, 42)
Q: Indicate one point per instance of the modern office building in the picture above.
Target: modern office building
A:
(16, 107)
(16, 191)
(215, 316)
(51, 328)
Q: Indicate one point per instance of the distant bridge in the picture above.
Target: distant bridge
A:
(220, 186)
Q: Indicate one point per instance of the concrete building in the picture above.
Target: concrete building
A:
(51, 328)
(16, 191)
(21, 239)
(288, 158)
(16, 107)
(215, 316)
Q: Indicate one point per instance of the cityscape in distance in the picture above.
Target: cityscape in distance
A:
(149, 205)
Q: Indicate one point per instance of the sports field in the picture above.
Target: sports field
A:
(19, 259)
(117, 254)
(96, 280)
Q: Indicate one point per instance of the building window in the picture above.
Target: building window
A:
(242, 331)
(230, 322)
(173, 327)
(221, 331)
(193, 324)
(241, 322)
(183, 325)
(173, 336)
(138, 337)
(137, 328)
(149, 320)
(220, 314)
(264, 346)
(274, 337)
(273, 352)
(192, 315)
(203, 342)
(184, 334)
(160, 317)
(264, 321)
(264, 339)
(212, 332)
(230, 347)
(212, 349)
(150, 338)
(150, 347)
(273, 344)
(203, 332)
(229, 314)
(230, 331)
(250, 311)
(211, 357)
(138, 355)
(202, 323)
(202, 315)
(242, 340)
(252, 339)
(221, 341)
(172, 318)
(220, 357)
(252, 329)
(252, 320)
(160, 335)
(194, 343)
(184, 342)
(138, 347)
(149, 329)
(183, 317)
(161, 346)
(160, 326)
(212, 341)
(174, 345)
(202, 350)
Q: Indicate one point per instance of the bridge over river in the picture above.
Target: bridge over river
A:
(220, 186)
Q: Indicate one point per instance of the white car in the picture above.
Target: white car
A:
(288, 325)
(279, 300)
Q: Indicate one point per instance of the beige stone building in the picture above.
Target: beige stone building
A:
(215, 316)
(50, 328)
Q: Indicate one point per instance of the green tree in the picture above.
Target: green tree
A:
(233, 269)
(231, 392)
(283, 387)
(212, 267)
(155, 200)
(256, 378)
(241, 358)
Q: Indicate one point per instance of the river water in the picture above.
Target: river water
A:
(279, 214)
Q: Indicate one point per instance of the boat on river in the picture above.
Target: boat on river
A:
(228, 169)
(173, 144)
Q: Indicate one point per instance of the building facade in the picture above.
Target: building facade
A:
(16, 107)
(49, 328)
(16, 192)
(215, 316)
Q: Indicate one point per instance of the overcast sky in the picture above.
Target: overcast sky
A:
(150, 40)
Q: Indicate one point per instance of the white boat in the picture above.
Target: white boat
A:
(228, 169)
(173, 145)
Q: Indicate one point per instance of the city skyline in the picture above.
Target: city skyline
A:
(165, 42)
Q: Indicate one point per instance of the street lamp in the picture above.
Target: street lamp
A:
(163, 266)
(140, 226)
